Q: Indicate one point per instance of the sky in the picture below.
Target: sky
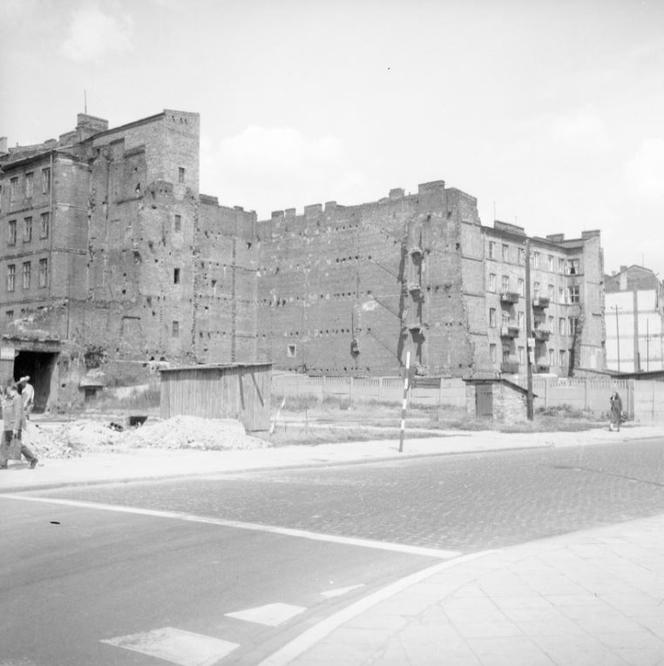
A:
(551, 113)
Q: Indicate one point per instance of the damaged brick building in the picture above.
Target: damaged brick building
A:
(114, 260)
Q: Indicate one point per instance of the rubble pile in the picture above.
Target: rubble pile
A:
(67, 440)
(191, 432)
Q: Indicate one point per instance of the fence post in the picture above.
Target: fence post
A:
(631, 397)
(350, 390)
(380, 389)
(586, 406)
(322, 388)
(546, 393)
(440, 392)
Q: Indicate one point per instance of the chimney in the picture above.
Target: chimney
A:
(3, 145)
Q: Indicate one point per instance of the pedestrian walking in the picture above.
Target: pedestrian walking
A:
(27, 392)
(12, 417)
(616, 410)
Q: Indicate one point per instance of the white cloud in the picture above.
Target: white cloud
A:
(645, 171)
(270, 168)
(93, 34)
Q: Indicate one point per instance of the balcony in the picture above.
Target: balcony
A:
(510, 330)
(542, 367)
(541, 334)
(510, 367)
(509, 297)
(541, 302)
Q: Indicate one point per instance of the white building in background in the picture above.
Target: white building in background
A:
(634, 318)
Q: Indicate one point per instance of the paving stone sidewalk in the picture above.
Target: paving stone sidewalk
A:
(151, 463)
(584, 599)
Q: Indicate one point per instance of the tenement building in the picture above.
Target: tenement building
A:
(114, 261)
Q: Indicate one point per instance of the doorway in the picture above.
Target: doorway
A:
(39, 367)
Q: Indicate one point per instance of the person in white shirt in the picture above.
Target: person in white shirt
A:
(27, 395)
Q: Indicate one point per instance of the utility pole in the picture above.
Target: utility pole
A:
(529, 339)
(615, 307)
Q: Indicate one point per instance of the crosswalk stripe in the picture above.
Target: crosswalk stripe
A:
(271, 615)
(183, 648)
(340, 591)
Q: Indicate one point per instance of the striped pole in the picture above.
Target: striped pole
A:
(404, 403)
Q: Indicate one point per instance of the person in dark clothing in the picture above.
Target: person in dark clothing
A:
(616, 409)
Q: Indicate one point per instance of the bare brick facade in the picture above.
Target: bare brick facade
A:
(111, 257)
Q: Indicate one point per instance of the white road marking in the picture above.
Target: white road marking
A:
(183, 648)
(340, 591)
(257, 527)
(271, 615)
(310, 637)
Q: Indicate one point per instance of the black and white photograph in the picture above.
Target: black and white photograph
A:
(332, 333)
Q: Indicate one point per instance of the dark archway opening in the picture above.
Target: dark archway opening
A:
(39, 366)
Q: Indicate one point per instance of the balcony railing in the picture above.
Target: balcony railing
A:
(541, 302)
(541, 334)
(509, 331)
(510, 367)
(509, 297)
(542, 367)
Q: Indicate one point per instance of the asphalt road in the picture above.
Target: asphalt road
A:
(73, 576)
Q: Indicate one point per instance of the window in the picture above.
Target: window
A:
(492, 250)
(29, 185)
(551, 322)
(175, 329)
(506, 252)
(520, 318)
(178, 223)
(492, 317)
(9, 314)
(27, 229)
(573, 294)
(27, 274)
(492, 352)
(505, 283)
(176, 276)
(561, 265)
(522, 355)
(572, 325)
(291, 351)
(551, 263)
(492, 282)
(552, 357)
(536, 289)
(563, 358)
(11, 277)
(573, 266)
(180, 174)
(522, 287)
(11, 238)
(561, 295)
(0, 196)
(44, 223)
(13, 189)
(46, 180)
(505, 317)
(522, 256)
(562, 326)
(506, 355)
(536, 259)
(43, 272)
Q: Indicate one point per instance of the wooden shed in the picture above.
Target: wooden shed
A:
(236, 390)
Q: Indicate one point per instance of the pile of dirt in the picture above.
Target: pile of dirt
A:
(191, 432)
(75, 438)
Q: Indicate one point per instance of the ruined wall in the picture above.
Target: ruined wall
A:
(141, 237)
(225, 284)
(386, 275)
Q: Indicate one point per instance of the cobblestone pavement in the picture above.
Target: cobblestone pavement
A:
(466, 502)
